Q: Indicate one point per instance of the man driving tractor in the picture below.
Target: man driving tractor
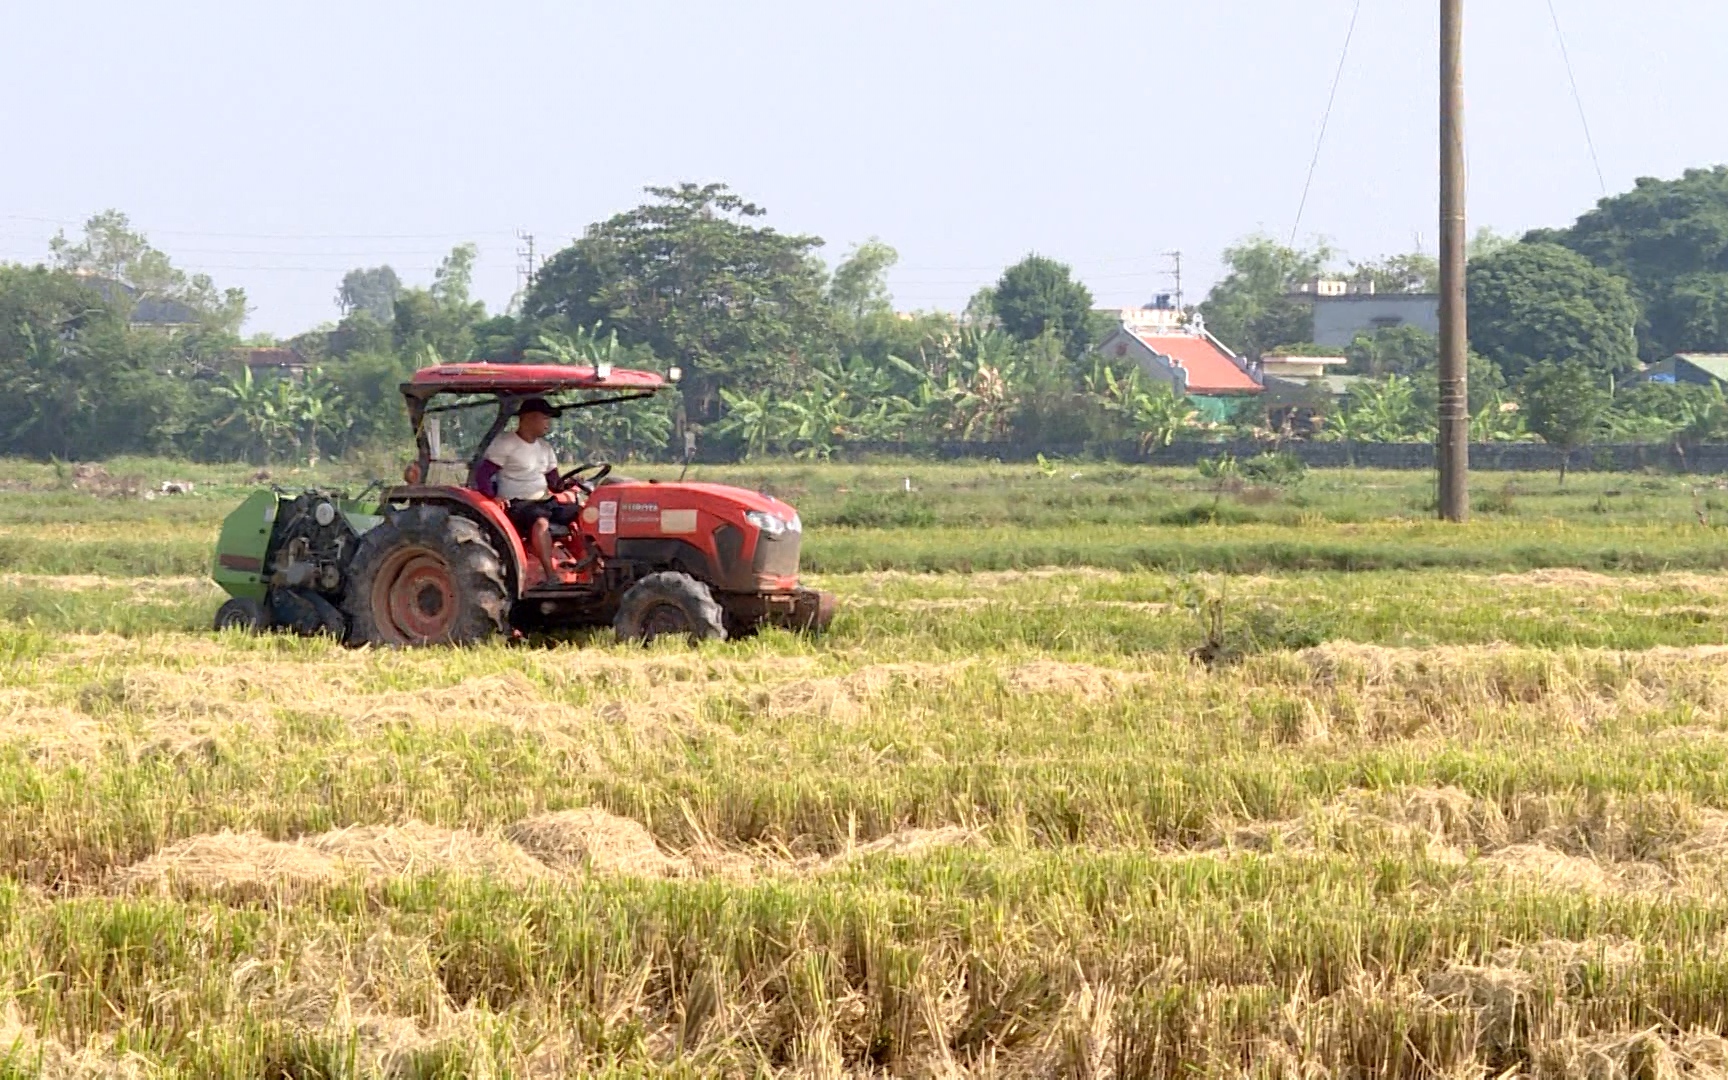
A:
(521, 469)
(443, 558)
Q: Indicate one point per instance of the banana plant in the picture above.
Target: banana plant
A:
(318, 408)
(1498, 420)
(1154, 415)
(584, 346)
(262, 408)
(757, 422)
(1381, 410)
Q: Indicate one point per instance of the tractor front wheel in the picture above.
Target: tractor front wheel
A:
(426, 577)
(669, 604)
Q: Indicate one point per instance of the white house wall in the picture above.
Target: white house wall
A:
(1123, 345)
(1339, 320)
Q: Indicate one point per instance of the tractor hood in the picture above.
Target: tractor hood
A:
(721, 500)
(748, 541)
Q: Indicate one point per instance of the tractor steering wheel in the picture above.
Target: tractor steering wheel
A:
(576, 477)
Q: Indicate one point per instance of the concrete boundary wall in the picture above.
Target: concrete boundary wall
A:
(1487, 457)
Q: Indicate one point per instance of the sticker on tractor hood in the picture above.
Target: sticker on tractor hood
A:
(677, 521)
(608, 518)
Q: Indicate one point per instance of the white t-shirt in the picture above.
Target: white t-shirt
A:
(522, 466)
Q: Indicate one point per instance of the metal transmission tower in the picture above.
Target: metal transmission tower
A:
(526, 268)
(1454, 448)
(1176, 260)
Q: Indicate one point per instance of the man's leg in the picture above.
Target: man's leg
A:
(530, 519)
(541, 538)
(566, 515)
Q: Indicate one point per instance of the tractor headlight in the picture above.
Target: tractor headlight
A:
(768, 523)
(324, 514)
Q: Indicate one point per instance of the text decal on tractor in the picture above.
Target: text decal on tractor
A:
(488, 535)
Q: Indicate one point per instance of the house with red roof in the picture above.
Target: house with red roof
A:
(1186, 357)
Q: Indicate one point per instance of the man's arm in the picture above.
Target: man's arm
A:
(553, 481)
(486, 478)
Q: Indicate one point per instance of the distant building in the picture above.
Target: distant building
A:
(1183, 356)
(272, 363)
(1697, 369)
(1286, 366)
(146, 311)
(1301, 389)
(1343, 311)
(1163, 315)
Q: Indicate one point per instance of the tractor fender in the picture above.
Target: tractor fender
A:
(485, 511)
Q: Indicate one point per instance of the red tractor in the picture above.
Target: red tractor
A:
(440, 562)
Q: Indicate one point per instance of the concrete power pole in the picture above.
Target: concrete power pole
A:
(1454, 449)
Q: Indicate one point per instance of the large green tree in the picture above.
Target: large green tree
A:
(111, 249)
(438, 323)
(1250, 309)
(75, 381)
(1534, 302)
(1038, 296)
(859, 289)
(692, 277)
(370, 289)
(1669, 238)
(1411, 273)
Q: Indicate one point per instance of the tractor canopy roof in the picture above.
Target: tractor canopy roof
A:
(525, 379)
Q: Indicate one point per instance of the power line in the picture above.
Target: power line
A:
(1325, 121)
(1577, 98)
(277, 236)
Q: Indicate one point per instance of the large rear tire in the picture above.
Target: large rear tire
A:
(669, 604)
(426, 577)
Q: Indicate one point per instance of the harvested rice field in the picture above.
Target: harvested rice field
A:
(1457, 808)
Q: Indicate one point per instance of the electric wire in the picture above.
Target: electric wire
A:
(1325, 121)
(1578, 98)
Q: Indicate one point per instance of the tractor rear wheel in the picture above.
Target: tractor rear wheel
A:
(667, 604)
(426, 577)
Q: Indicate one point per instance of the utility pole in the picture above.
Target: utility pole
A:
(1454, 448)
(1176, 257)
(525, 269)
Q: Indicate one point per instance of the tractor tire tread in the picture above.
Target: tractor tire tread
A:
(706, 617)
(474, 564)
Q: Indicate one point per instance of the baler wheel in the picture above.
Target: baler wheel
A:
(242, 614)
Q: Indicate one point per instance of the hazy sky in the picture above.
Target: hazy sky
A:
(277, 145)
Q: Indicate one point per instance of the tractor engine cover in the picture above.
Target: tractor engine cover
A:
(739, 541)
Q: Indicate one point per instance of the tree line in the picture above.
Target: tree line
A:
(784, 355)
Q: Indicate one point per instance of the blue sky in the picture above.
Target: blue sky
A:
(277, 145)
